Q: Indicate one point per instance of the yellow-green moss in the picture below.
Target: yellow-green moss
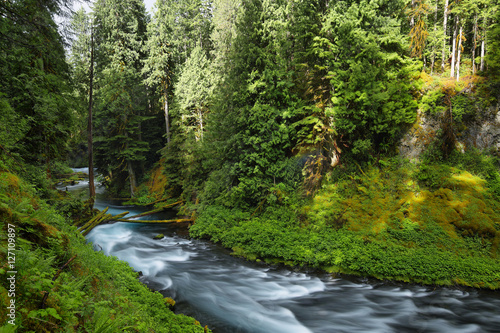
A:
(378, 199)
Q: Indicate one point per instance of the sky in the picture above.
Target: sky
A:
(78, 4)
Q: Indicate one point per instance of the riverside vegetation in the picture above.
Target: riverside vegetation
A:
(62, 283)
(275, 123)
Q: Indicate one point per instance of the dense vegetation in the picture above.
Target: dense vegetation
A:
(276, 122)
(62, 284)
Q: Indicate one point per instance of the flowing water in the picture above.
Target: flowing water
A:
(232, 295)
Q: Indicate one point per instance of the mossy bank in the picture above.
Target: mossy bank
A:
(436, 222)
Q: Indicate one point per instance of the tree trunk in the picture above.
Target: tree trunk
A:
(200, 117)
(459, 53)
(474, 46)
(89, 126)
(445, 21)
(454, 48)
(483, 45)
(167, 121)
(131, 177)
(434, 46)
(412, 19)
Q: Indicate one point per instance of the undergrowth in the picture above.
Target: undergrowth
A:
(92, 293)
(437, 222)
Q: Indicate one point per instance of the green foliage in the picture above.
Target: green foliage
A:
(193, 90)
(93, 293)
(121, 100)
(35, 90)
(432, 101)
(361, 44)
(400, 221)
(493, 57)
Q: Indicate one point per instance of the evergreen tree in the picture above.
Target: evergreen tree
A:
(370, 78)
(121, 100)
(34, 80)
(82, 61)
(494, 55)
(194, 89)
(249, 132)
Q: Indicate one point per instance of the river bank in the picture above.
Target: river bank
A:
(429, 223)
(234, 295)
(61, 283)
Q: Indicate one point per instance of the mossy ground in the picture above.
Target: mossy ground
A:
(432, 223)
(93, 293)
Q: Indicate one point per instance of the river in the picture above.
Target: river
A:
(232, 295)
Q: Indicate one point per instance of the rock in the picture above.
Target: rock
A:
(159, 236)
(481, 131)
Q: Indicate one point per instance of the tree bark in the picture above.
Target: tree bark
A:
(483, 45)
(445, 21)
(200, 116)
(454, 48)
(132, 179)
(459, 53)
(89, 126)
(412, 19)
(167, 121)
(474, 46)
(434, 46)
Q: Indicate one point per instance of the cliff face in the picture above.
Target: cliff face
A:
(481, 131)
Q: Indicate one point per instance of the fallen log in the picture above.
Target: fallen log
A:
(157, 210)
(114, 217)
(92, 220)
(155, 202)
(96, 223)
(102, 219)
(155, 221)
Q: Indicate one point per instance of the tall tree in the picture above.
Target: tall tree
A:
(445, 25)
(362, 44)
(159, 62)
(34, 78)
(194, 89)
(418, 33)
(82, 61)
(121, 99)
(493, 58)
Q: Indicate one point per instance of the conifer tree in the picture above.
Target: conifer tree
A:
(362, 44)
(121, 101)
(34, 82)
(82, 61)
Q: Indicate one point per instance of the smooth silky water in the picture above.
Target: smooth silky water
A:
(232, 295)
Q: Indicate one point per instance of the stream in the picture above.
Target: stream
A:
(232, 295)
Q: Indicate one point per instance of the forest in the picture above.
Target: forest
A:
(278, 125)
